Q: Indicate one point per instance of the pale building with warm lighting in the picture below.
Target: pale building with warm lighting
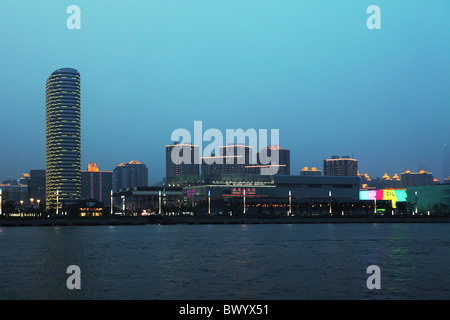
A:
(310, 172)
(130, 175)
(232, 159)
(340, 167)
(182, 159)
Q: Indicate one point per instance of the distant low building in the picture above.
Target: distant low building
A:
(365, 180)
(386, 182)
(15, 193)
(310, 172)
(88, 208)
(421, 178)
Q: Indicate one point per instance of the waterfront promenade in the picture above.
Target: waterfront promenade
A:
(196, 220)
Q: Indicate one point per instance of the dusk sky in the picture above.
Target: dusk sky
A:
(311, 69)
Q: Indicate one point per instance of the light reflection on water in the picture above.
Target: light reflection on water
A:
(326, 261)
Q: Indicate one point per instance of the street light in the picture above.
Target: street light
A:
(290, 208)
(21, 208)
(112, 207)
(57, 201)
(244, 200)
(159, 209)
(415, 193)
(375, 206)
(329, 196)
(209, 201)
(0, 202)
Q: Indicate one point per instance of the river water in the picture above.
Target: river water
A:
(202, 262)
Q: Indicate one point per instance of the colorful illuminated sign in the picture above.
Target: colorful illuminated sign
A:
(243, 191)
(395, 195)
(190, 192)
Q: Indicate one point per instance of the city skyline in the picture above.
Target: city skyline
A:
(261, 71)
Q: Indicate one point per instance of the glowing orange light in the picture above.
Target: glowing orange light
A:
(92, 167)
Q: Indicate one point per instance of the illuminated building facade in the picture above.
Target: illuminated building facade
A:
(89, 208)
(130, 175)
(185, 160)
(271, 193)
(63, 137)
(393, 195)
(96, 184)
(340, 167)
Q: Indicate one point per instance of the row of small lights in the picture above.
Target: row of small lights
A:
(209, 201)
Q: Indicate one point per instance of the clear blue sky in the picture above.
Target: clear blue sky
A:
(311, 69)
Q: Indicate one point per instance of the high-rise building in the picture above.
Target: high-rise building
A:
(272, 160)
(340, 167)
(96, 184)
(36, 185)
(232, 159)
(63, 137)
(182, 159)
(130, 175)
(283, 167)
(211, 165)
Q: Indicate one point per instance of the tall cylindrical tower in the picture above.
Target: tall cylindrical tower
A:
(63, 138)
